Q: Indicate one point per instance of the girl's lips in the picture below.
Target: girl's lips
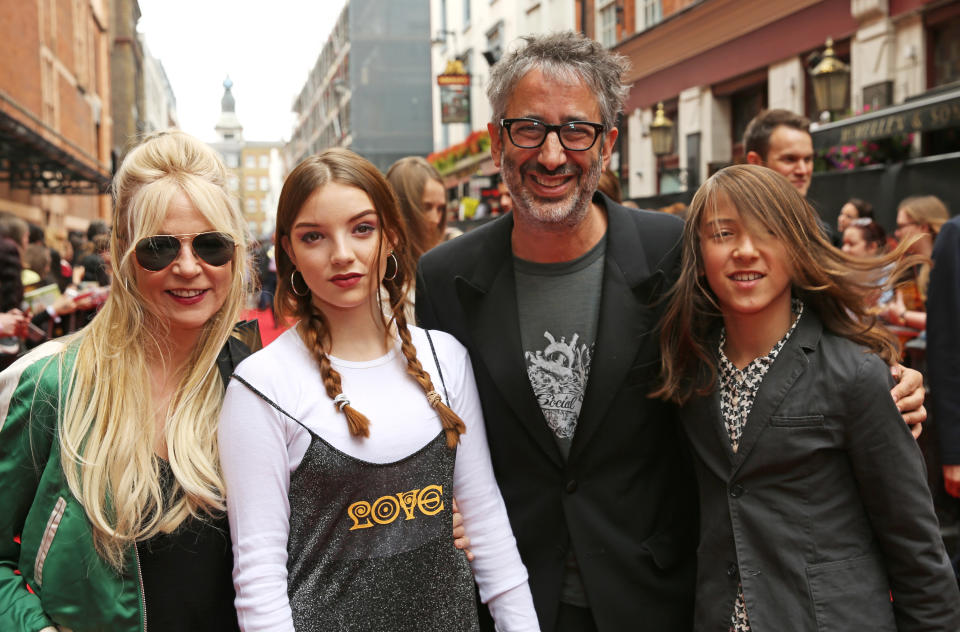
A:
(187, 297)
(346, 280)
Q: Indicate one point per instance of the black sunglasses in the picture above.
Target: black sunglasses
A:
(157, 252)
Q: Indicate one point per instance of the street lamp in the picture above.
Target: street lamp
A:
(831, 79)
(661, 133)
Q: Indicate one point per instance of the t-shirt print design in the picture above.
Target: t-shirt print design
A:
(558, 374)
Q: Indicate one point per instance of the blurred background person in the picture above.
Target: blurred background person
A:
(506, 200)
(61, 258)
(921, 215)
(15, 229)
(422, 196)
(610, 185)
(96, 265)
(854, 208)
(93, 255)
(864, 237)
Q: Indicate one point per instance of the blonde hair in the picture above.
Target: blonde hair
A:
(829, 281)
(927, 211)
(345, 167)
(107, 423)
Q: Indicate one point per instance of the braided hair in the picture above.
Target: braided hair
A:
(347, 168)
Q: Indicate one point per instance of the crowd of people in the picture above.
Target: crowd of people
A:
(637, 421)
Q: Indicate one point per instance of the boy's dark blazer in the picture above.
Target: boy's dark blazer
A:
(625, 498)
(819, 529)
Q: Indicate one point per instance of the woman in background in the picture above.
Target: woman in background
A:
(922, 216)
(423, 202)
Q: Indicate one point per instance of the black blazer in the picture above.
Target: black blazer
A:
(824, 511)
(943, 340)
(625, 499)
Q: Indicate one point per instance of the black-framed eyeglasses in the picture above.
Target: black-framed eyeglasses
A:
(529, 133)
(157, 252)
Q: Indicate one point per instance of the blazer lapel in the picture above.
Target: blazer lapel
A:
(790, 364)
(489, 301)
(707, 434)
(626, 320)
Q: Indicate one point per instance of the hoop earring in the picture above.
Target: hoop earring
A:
(396, 267)
(293, 284)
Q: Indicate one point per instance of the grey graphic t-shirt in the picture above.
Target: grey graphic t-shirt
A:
(558, 307)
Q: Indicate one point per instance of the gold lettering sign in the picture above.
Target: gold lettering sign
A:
(923, 119)
(386, 509)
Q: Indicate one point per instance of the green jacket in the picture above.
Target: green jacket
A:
(50, 573)
(53, 575)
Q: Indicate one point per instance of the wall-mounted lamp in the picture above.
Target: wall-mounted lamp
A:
(661, 132)
(831, 79)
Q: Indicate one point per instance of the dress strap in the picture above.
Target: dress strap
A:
(269, 401)
(437, 363)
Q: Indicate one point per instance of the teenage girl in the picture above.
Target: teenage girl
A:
(816, 509)
(344, 441)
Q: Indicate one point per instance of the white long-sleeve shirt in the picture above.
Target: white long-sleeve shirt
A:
(260, 447)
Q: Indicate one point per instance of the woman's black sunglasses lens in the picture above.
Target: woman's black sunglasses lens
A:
(157, 252)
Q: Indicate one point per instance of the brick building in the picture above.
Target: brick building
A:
(714, 64)
(55, 124)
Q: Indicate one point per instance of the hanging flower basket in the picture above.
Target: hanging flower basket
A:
(446, 159)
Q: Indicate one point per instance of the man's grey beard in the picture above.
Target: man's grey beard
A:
(556, 214)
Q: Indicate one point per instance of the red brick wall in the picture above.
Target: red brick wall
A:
(20, 52)
(669, 7)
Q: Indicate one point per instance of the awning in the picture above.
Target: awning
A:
(927, 113)
(44, 163)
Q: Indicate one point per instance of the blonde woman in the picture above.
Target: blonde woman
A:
(111, 493)
(921, 215)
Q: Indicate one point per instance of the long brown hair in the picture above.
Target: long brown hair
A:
(347, 168)
(408, 177)
(832, 283)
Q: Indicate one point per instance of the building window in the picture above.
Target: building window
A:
(251, 205)
(264, 161)
(251, 162)
(466, 14)
(607, 23)
(649, 13)
(251, 183)
(233, 160)
(234, 183)
(264, 183)
(946, 52)
(494, 43)
(744, 105)
(265, 205)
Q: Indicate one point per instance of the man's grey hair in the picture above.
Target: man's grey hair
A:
(567, 57)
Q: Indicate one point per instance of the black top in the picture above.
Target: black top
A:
(187, 582)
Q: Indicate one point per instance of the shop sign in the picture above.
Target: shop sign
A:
(927, 115)
(454, 93)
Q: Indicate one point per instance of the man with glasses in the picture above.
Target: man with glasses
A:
(557, 303)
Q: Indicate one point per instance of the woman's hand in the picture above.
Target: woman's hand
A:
(460, 539)
(10, 321)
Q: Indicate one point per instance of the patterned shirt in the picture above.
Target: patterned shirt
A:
(738, 390)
